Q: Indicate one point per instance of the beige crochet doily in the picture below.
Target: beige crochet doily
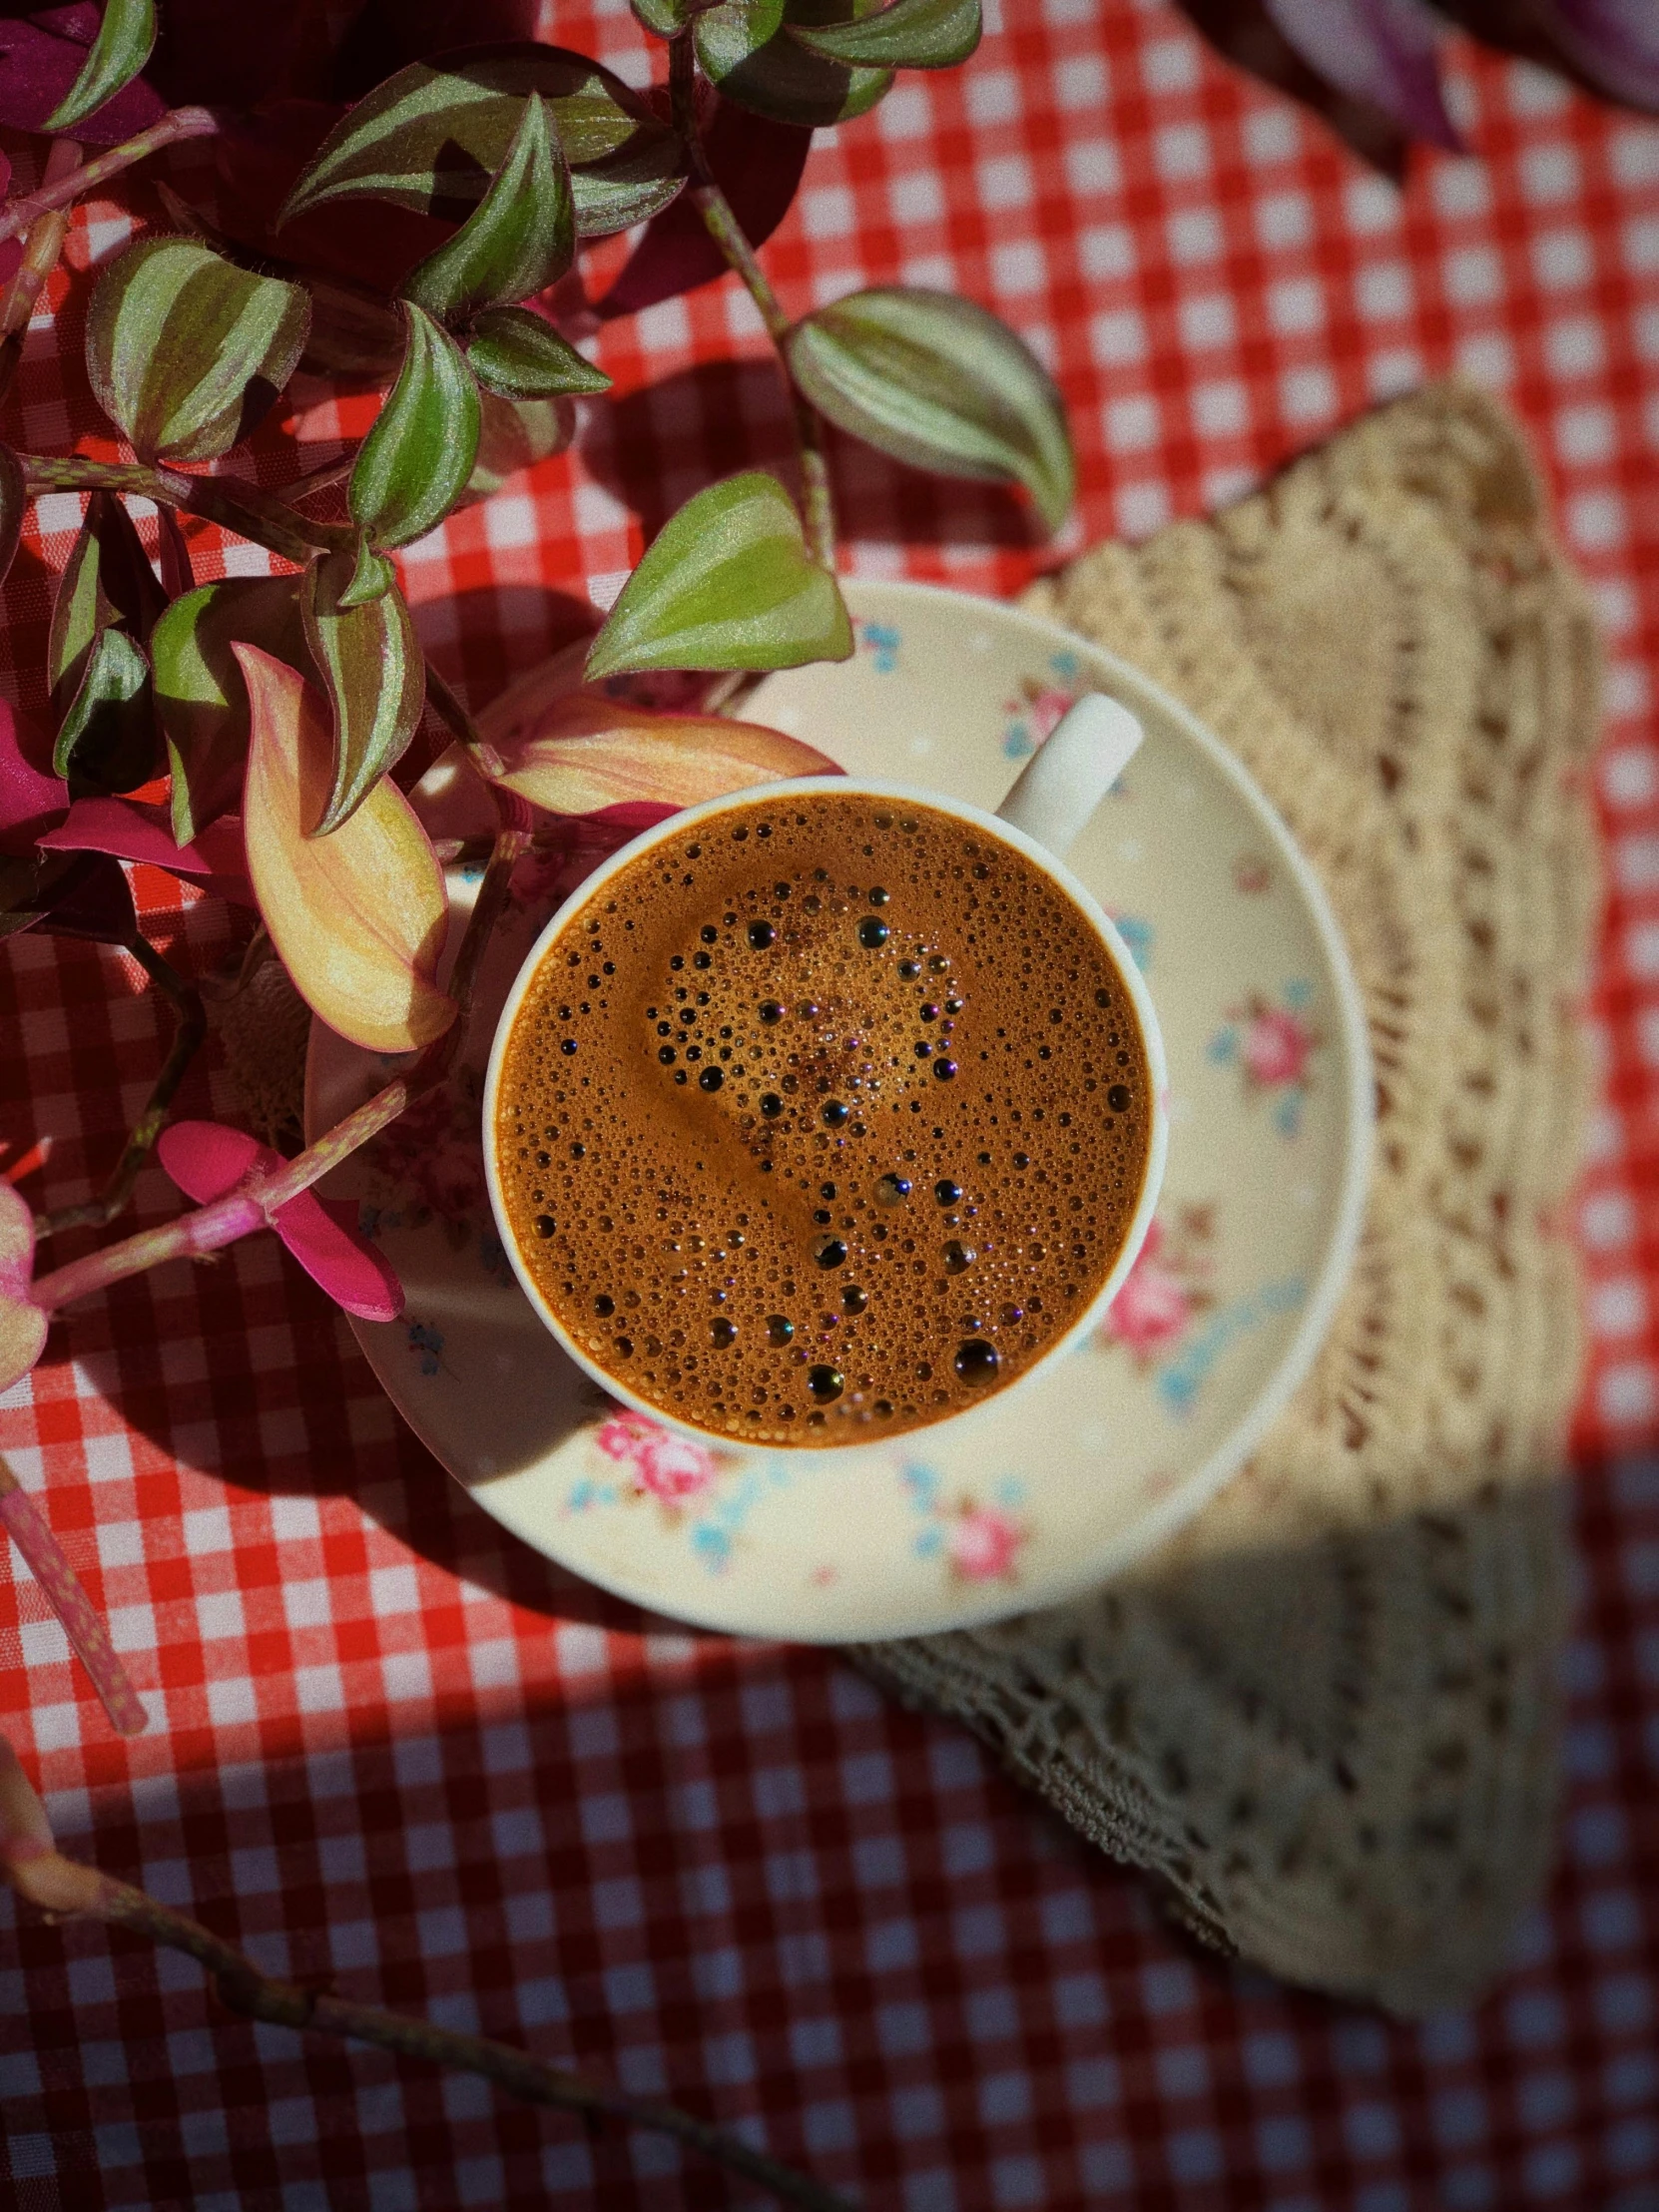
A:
(1326, 1714)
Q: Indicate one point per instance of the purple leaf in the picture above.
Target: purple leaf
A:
(1383, 52)
(41, 55)
(207, 1160)
(757, 164)
(321, 1233)
(1614, 42)
(91, 899)
(130, 830)
(31, 801)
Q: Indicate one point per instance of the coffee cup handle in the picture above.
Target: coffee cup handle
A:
(1068, 775)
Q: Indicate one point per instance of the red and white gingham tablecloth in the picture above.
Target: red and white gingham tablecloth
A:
(393, 1749)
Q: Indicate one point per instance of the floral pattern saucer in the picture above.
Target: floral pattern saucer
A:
(1111, 1448)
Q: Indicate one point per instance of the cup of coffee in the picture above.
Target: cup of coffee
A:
(832, 1110)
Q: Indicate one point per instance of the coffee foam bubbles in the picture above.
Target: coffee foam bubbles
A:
(824, 1120)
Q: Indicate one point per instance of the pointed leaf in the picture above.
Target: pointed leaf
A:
(413, 465)
(373, 575)
(744, 47)
(30, 800)
(1383, 52)
(44, 53)
(199, 695)
(584, 752)
(519, 356)
(80, 609)
(108, 737)
(187, 351)
(374, 674)
(128, 580)
(938, 381)
(122, 46)
(127, 830)
(432, 136)
(322, 1235)
(911, 34)
(14, 503)
(358, 917)
(519, 238)
(515, 434)
(728, 584)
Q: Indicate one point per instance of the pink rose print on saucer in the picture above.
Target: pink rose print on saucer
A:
(1167, 1288)
(667, 1465)
(1273, 1043)
(985, 1544)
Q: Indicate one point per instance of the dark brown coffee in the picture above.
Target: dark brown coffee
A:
(824, 1120)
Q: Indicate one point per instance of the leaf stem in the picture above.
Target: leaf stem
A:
(29, 1530)
(817, 503)
(98, 1213)
(180, 124)
(229, 501)
(70, 1891)
(40, 257)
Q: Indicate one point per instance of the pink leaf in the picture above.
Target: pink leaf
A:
(1614, 42)
(322, 1235)
(130, 830)
(1383, 51)
(207, 1160)
(31, 801)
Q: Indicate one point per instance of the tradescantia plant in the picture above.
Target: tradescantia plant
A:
(258, 736)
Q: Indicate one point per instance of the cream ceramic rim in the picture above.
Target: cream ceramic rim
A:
(693, 1602)
(900, 794)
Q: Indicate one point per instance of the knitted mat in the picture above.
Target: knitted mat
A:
(1325, 1716)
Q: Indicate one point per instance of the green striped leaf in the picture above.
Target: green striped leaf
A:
(519, 356)
(938, 381)
(664, 17)
(519, 238)
(413, 465)
(371, 667)
(911, 34)
(124, 43)
(106, 740)
(728, 584)
(185, 351)
(432, 136)
(746, 47)
(371, 574)
(201, 697)
(106, 580)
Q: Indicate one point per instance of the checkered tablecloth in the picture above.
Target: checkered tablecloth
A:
(390, 1748)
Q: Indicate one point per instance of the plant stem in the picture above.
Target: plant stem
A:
(817, 504)
(67, 1890)
(460, 724)
(89, 1639)
(98, 1213)
(40, 257)
(228, 500)
(182, 123)
(252, 1204)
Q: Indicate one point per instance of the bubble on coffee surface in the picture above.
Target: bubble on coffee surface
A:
(853, 1129)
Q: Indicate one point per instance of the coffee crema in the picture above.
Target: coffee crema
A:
(824, 1121)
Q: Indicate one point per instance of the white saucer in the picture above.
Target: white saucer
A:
(1122, 1441)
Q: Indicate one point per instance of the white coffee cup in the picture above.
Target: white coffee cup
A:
(1041, 816)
